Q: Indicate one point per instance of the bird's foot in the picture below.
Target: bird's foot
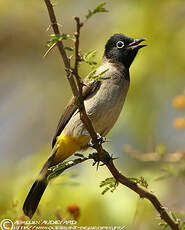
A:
(100, 139)
(96, 158)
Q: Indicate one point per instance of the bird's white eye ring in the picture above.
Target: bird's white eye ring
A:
(120, 44)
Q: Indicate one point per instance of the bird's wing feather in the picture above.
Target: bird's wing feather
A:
(88, 88)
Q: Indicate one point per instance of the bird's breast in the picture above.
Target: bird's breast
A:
(106, 104)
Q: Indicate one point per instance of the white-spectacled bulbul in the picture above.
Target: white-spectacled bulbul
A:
(103, 102)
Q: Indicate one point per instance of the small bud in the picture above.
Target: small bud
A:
(179, 102)
(74, 210)
(15, 203)
(179, 123)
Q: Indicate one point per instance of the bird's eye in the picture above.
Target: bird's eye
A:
(120, 44)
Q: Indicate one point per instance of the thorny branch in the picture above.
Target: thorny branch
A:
(77, 92)
(87, 122)
(61, 49)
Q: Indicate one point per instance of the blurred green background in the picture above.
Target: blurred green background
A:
(34, 91)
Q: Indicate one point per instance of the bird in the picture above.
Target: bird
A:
(103, 100)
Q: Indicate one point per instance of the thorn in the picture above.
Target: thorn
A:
(114, 158)
(53, 4)
(48, 28)
(141, 196)
(70, 57)
(76, 18)
(116, 182)
(97, 166)
(107, 140)
(50, 48)
(60, 25)
(83, 84)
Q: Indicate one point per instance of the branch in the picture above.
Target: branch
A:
(174, 157)
(61, 167)
(61, 49)
(83, 115)
(88, 124)
(143, 193)
(77, 93)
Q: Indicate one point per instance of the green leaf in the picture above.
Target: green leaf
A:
(110, 184)
(92, 63)
(69, 48)
(163, 224)
(174, 216)
(77, 100)
(87, 57)
(60, 37)
(97, 77)
(168, 171)
(139, 180)
(104, 71)
(161, 149)
(99, 9)
(57, 37)
(56, 170)
(182, 226)
(107, 181)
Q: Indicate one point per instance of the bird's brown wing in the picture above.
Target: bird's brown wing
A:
(88, 88)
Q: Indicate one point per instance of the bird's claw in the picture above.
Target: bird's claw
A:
(107, 159)
(100, 139)
(95, 157)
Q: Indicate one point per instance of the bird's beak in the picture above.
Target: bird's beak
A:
(135, 44)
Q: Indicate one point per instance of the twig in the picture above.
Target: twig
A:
(61, 167)
(156, 157)
(88, 124)
(83, 115)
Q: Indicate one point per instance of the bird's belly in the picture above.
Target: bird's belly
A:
(67, 145)
(104, 119)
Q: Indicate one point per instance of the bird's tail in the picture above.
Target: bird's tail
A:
(34, 196)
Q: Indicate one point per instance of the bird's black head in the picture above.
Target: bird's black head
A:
(120, 48)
